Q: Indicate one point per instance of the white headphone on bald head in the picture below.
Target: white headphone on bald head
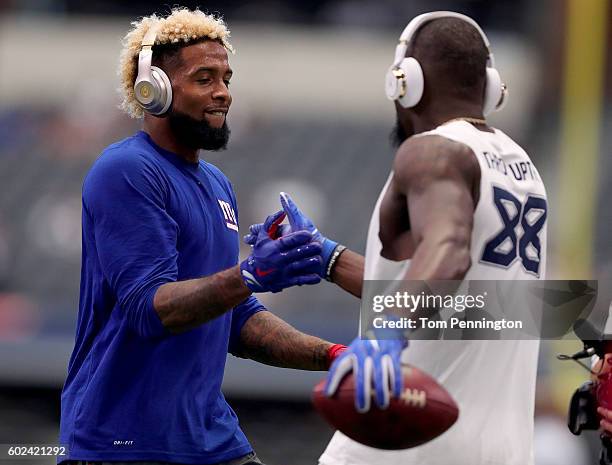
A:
(152, 88)
(405, 82)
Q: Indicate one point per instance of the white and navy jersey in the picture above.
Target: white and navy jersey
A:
(493, 382)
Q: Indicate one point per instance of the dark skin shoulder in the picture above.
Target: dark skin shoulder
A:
(427, 212)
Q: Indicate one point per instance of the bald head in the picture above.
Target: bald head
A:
(453, 56)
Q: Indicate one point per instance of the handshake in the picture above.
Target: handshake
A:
(287, 255)
(297, 254)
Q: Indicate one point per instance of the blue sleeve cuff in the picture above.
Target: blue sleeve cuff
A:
(240, 314)
(145, 321)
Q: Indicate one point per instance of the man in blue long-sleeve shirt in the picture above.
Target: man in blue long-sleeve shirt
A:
(163, 298)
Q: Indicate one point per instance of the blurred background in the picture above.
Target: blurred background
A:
(310, 118)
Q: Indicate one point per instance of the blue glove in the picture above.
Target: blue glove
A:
(297, 222)
(272, 227)
(375, 364)
(274, 265)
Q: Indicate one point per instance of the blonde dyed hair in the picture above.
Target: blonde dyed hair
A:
(180, 26)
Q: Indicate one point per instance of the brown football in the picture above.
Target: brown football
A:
(424, 411)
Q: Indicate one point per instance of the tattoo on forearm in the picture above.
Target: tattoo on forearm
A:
(184, 305)
(270, 340)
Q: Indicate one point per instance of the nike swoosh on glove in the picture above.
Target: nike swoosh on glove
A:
(276, 264)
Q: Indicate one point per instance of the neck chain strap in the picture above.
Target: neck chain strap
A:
(468, 120)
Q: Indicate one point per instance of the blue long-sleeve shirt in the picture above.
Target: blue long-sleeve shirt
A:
(134, 391)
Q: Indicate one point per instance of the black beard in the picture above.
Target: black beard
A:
(198, 134)
(398, 135)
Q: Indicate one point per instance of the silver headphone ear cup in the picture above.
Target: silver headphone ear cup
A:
(494, 91)
(144, 92)
(393, 84)
(414, 83)
(162, 92)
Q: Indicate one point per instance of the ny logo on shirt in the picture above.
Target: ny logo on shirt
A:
(229, 215)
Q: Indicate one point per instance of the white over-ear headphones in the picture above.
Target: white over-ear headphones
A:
(152, 88)
(405, 82)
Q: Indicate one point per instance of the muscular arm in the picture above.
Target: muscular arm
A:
(268, 339)
(183, 305)
(348, 272)
(438, 178)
